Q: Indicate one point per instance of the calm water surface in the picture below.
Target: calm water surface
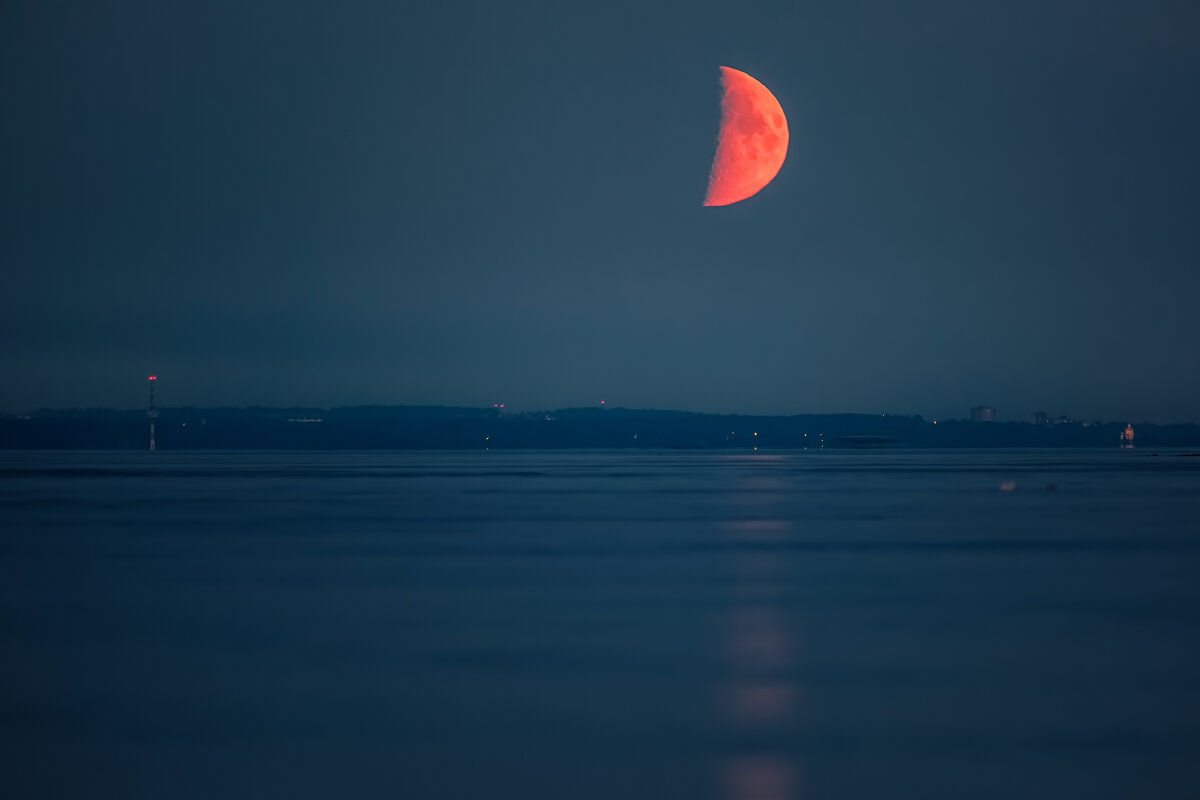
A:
(600, 625)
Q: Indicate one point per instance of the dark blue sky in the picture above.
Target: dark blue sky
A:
(312, 203)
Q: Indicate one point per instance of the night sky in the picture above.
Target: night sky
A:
(314, 203)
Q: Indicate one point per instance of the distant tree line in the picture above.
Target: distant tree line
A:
(449, 428)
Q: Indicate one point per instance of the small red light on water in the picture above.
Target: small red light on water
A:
(495, 405)
(502, 405)
(152, 378)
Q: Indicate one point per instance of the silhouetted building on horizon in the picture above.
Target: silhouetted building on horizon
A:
(1042, 418)
(983, 414)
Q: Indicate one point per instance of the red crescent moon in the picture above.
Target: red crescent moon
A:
(752, 143)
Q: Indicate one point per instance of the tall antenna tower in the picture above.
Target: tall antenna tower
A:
(152, 412)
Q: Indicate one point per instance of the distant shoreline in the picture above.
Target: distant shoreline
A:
(456, 428)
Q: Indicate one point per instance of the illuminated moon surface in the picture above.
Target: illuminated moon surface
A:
(753, 141)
